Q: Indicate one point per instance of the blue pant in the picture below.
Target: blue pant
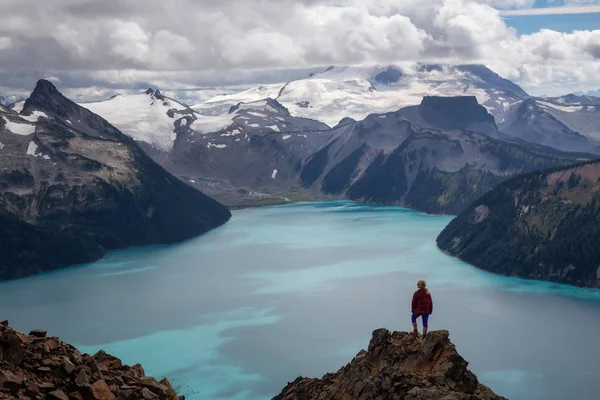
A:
(425, 318)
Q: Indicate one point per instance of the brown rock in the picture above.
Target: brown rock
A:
(4, 323)
(12, 350)
(138, 371)
(39, 333)
(46, 386)
(58, 395)
(10, 381)
(148, 395)
(67, 366)
(82, 379)
(107, 360)
(44, 370)
(76, 395)
(153, 385)
(100, 391)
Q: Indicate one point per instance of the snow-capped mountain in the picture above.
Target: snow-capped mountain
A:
(575, 100)
(157, 120)
(7, 100)
(356, 92)
(147, 117)
(579, 113)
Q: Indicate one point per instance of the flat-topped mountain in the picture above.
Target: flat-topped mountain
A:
(396, 366)
(542, 225)
(73, 187)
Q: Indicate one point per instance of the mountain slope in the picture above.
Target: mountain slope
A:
(543, 225)
(579, 113)
(443, 172)
(71, 181)
(533, 122)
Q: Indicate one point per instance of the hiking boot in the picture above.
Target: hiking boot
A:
(416, 332)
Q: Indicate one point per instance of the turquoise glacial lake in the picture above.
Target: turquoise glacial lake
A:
(280, 292)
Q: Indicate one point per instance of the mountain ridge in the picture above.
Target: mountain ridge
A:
(540, 225)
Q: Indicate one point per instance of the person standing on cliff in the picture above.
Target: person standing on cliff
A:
(422, 306)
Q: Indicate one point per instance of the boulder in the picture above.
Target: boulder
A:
(38, 333)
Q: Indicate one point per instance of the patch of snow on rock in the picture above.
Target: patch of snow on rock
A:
(274, 127)
(561, 108)
(286, 137)
(18, 107)
(218, 146)
(274, 174)
(31, 149)
(35, 115)
(19, 128)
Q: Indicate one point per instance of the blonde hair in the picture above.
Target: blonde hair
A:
(422, 285)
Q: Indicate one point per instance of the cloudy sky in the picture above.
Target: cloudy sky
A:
(95, 48)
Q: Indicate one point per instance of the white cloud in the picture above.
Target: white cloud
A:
(191, 43)
(5, 43)
(130, 42)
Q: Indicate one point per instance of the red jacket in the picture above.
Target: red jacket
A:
(422, 303)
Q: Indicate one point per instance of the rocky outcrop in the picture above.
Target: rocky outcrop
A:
(542, 225)
(37, 367)
(397, 366)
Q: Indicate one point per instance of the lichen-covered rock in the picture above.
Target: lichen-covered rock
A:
(397, 366)
(38, 367)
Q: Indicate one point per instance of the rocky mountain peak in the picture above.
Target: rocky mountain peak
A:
(46, 97)
(397, 365)
(155, 94)
(454, 112)
(266, 104)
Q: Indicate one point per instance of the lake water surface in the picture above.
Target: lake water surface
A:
(285, 291)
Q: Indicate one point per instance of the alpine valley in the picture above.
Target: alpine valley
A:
(432, 138)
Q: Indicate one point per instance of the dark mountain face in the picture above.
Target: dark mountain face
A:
(443, 172)
(533, 123)
(73, 187)
(543, 225)
(449, 113)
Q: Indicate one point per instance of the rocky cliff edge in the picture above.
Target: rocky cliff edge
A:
(397, 366)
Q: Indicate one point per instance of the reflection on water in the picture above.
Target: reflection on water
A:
(280, 292)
